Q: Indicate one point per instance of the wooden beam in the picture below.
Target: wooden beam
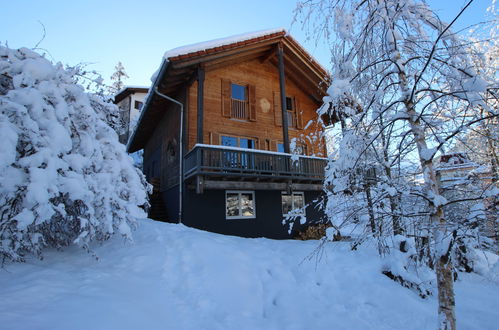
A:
(306, 84)
(268, 56)
(223, 62)
(254, 185)
(282, 88)
(224, 53)
(200, 103)
(305, 58)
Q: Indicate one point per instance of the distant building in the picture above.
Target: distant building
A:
(462, 178)
(130, 101)
(454, 168)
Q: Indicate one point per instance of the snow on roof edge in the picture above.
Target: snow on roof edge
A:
(130, 86)
(219, 42)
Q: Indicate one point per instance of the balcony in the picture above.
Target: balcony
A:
(228, 168)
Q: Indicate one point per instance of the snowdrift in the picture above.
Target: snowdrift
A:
(175, 277)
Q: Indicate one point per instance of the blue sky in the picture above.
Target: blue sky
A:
(137, 33)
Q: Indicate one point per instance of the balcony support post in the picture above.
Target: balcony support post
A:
(200, 79)
(282, 88)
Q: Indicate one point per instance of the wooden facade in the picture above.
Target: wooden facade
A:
(264, 122)
(243, 104)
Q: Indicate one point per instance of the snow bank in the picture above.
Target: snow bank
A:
(175, 277)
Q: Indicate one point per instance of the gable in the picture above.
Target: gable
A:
(179, 71)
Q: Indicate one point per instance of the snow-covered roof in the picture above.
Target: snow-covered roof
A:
(130, 89)
(127, 87)
(205, 45)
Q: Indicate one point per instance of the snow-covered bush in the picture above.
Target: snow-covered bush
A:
(64, 177)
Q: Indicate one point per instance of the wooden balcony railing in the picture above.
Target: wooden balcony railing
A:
(239, 109)
(209, 160)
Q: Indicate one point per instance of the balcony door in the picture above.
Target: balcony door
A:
(237, 159)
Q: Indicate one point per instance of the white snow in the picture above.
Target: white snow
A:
(218, 42)
(252, 150)
(175, 277)
(63, 173)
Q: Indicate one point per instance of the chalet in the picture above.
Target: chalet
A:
(229, 134)
(129, 100)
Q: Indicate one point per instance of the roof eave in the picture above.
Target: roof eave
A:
(134, 145)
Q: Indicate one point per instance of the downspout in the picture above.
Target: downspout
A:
(181, 153)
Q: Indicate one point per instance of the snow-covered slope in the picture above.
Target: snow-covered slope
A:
(175, 277)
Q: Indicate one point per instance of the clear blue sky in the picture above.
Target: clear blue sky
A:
(137, 33)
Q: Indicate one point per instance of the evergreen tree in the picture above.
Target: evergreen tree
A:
(118, 77)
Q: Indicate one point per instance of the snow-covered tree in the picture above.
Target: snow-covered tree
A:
(404, 89)
(118, 76)
(64, 177)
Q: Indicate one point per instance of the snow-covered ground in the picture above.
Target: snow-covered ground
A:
(175, 277)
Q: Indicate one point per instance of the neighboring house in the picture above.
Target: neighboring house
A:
(130, 101)
(462, 178)
(248, 102)
(456, 168)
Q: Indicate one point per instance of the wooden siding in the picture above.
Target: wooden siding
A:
(264, 125)
(165, 139)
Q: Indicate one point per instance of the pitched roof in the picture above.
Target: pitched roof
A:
(179, 67)
(127, 90)
(212, 46)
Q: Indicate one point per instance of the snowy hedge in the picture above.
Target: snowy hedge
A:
(64, 177)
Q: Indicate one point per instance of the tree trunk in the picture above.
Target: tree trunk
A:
(443, 267)
(394, 202)
(446, 303)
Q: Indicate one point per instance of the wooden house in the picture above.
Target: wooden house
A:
(229, 134)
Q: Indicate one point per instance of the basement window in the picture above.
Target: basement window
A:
(240, 204)
(293, 202)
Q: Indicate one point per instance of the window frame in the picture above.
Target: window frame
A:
(301, 145)
(238, 138)
(138, 105)
(244, 102)
(244, 86)
(240, 216)
(292, 111)
(292, 194)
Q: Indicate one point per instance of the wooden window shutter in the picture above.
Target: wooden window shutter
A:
(226, 95)
(277, 109)
(299, 113)
(252, 102)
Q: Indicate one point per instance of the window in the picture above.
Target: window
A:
(239, 100)
(138, 105)
(291, 113)
(240, 204)
(239, 142)
(237, 159)
(301, 149)
(293, 201)
(238, 92)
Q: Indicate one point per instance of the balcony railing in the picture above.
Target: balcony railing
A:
(239, 109)
(209, 160)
